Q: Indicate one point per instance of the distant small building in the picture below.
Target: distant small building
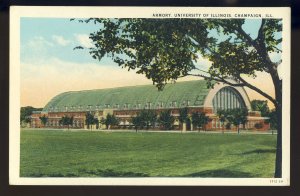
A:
(125, 102)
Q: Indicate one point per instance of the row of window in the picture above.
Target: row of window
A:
(76, 123)
(218, 124)
(148, 105)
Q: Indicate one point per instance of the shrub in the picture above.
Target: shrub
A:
(258, 125)
(228, 125)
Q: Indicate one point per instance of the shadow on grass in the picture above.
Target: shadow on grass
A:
(90, 173)
(258, 151)
(112, 173)
(223, 173)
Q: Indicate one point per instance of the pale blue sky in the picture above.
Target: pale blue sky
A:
(49, 65)
(46, 31)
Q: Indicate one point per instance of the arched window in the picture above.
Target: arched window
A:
(227, 98)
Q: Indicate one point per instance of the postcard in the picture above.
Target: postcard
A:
(190, 96)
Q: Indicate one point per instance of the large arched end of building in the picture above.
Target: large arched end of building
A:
(223, 96)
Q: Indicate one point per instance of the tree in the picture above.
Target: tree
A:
(144, 118)
(183, 115)
(237, 116)
(260, 105)
(222, 117)
(96, 122)
(199, 120)
(165, 50)
(137, 122)
(148, 117)
(66, 120)
(90, 120)
(110, 119)
(44, 119)
(166, 120)
(25, 113)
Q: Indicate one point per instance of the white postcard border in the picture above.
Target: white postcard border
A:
(16, 12)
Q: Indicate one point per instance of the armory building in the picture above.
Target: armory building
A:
(126, 102)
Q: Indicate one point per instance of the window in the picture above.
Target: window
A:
(227, 98)
(126, 106)
(173, 104)
(183, 103)
(88, 107)
(188, 103)
(148, 105)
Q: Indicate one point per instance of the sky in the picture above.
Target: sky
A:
(50, 66)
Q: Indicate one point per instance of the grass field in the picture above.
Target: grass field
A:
(55, 153)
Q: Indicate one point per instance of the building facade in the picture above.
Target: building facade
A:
(126, 102)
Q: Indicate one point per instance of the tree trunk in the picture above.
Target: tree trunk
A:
(278, 162)
(223, 127)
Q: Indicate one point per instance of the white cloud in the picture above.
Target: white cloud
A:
(38, 42)
(84, 40)
(60, 40)
(35, 48)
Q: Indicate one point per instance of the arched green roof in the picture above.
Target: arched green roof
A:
(180, 93)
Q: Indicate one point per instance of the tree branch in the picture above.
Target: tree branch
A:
(258, 90)
(242, 83)
(218, 79)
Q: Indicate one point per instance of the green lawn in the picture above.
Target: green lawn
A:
(113, 154)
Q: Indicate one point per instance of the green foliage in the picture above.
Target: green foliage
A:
(145, 118)
(222, 115)
(236, 116)
(258, 125)
(98, 154)
(137, 122)
(166, 120)
(66, 120)
(90, 120)
(149, 118)
(183, 115)
(260, 105)
(25, 113)
(44, 119)
(167, 49)
(228, 125)
(160, 49)
(273, 119)
(199, 119)
(110, 119)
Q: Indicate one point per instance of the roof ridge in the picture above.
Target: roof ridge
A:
(120, 87)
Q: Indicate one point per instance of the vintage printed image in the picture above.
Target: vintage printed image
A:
(190, 95)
